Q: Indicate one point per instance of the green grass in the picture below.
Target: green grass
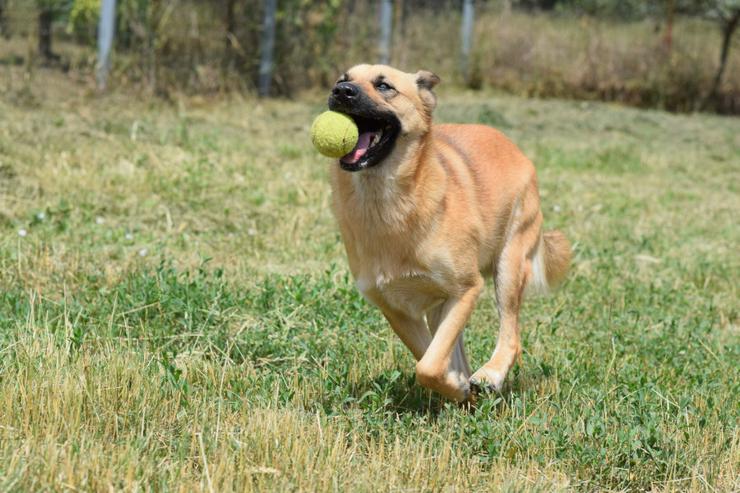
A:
(179, 314)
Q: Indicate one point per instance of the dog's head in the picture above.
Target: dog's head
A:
(387, 105)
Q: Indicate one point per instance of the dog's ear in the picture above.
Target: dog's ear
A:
(425, 81)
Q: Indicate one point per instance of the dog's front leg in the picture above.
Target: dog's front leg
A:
(433, 370)
(412, 331)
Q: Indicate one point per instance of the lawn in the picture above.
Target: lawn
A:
(176, 312)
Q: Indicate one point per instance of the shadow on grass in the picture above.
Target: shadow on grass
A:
(398, 393)
(523, 379)
(395, 393)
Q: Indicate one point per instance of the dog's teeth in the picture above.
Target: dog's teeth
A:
(375, 138)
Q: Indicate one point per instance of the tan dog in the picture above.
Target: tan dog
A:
(429, 211)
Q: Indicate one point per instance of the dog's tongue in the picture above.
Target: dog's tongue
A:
(363, 142)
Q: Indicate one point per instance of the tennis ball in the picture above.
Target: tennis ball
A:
(334, 134)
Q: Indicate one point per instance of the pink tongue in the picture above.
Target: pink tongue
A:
(360, 149)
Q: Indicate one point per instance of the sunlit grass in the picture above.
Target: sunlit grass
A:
(176, 313)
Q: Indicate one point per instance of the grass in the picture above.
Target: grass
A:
(176, 312)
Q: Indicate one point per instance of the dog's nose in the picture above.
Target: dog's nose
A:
(345, 90)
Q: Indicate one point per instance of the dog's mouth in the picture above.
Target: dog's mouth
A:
(378, 128)
(376, 140)
(377, 135)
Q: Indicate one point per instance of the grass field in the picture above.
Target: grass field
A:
(176, 312)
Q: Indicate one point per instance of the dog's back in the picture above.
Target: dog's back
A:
(505, 184)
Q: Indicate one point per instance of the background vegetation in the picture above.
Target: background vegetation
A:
(652, 54)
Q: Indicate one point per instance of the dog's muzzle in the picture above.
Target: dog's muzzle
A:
(377, 127)
(344, 96)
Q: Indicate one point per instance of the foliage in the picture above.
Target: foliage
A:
(631, 9)
(83, 18)
(54, 5)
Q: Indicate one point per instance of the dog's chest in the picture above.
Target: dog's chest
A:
(411, 292)
(389, 254)
(407, 282)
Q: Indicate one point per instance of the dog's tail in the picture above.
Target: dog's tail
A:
(551, 261)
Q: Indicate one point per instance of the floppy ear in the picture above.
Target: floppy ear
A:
(425, 81)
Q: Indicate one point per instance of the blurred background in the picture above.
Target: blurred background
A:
(679, 55)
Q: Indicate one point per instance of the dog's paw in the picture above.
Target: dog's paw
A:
(470, 403)
(478, 387)
(485, 381)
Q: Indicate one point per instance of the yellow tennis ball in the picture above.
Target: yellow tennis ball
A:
(334, 134)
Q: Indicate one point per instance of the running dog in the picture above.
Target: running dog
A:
(426, 212)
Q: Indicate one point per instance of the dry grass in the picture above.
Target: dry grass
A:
(61, 404)
(128, 362)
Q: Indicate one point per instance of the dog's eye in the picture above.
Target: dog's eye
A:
(383, 87)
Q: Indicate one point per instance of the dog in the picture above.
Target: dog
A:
(426, 212)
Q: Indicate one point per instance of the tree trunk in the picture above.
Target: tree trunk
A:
(466, 38)
(106, 34)
(728, 29)
(386, 26)
(153, 17)
(267, 49)
(230, 24)
(3, 25)
(46, 17)
(668, 36)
